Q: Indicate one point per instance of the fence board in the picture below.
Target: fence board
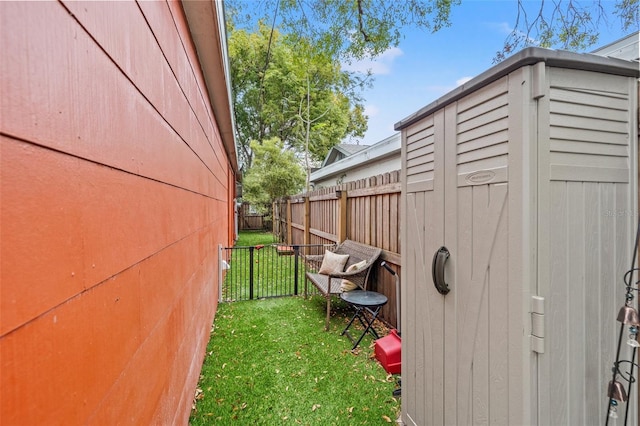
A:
(372, 217)
(250, 221)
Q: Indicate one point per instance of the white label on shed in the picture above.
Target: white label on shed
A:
(480, 177)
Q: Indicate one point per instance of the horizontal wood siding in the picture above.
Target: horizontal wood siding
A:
(116, 190)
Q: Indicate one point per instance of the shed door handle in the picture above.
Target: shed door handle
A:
(437, 270)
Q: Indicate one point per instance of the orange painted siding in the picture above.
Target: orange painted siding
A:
(115, 191)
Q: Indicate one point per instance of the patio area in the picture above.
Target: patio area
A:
(271, 362)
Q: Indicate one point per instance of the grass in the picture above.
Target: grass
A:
(271, 362)
(253, 238)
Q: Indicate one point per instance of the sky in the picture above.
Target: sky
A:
(426, 66)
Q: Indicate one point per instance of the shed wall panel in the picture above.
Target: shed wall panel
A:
(538, 199)
(420, 164)
(593, 114)
(482, 140)
(589, 251)
(423, 202)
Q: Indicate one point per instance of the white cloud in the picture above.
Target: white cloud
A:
(501, 27)
(440, 90)
(379, 65)
(371, 110)
(463, 80)
(506, 29)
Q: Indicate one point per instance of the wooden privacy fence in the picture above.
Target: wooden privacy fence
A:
(248, 221)
(366, 211)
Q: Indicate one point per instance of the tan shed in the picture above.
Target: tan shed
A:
(527, 175)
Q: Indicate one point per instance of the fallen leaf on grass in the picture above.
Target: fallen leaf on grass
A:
(315, 407)
(199, 394)
(241, 407)
(387, 419)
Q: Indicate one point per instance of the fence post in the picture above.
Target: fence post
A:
(274, 219)
(251, 272)
(289, 220)
(296, 255)
(220, 268)
(342, 215)
(307, 220)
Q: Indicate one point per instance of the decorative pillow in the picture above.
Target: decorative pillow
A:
(347, 285)
(332, 263)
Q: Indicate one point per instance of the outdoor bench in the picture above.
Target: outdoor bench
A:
(330, 279)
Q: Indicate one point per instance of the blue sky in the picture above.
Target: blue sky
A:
(426, 66)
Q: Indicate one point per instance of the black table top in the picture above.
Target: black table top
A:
(364, 298)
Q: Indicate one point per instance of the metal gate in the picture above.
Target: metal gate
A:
(263, 271)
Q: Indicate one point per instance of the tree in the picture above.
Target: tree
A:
(355, 29)
(277, 80)
(565, 24)
(275, 173)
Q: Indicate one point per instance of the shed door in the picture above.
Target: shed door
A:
(460, 349)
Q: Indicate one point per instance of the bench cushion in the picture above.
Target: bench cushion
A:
(348, 285)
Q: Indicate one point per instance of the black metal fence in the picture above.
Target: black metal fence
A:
(270, 270)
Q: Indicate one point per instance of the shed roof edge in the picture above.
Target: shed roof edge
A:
(528, 56)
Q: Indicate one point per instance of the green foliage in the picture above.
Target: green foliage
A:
(629, 13)
(350, 29)
(278, 80)
(270, 362)
(275, 173)
(366, 28)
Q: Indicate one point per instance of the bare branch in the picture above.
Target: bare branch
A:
(360, 24)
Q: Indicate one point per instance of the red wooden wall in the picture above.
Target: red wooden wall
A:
(115, 190)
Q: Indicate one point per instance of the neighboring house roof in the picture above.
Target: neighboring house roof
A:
(626, 48)
(367, 154)
(338, 152)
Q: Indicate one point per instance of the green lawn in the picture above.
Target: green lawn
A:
(270, 362)
(253, 238)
